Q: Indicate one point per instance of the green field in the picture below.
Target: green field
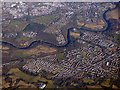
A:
(17, 73)
(106, 83)
(16, 25)
(46, 20)
(18, 54)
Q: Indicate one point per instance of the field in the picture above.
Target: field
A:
(76, 35)
(16, 25)
(5, 48)
(15, 29)
(34, 51)
(112, 14)
(106, 83)
(95, 26)
(46, 20)
(23, 84)
(17, 74)
(80, 24)
(114, 87)
(95, 86)
(61, 56)
(86, 80)
(19, 53)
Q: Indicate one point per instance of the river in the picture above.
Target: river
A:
(68, 33)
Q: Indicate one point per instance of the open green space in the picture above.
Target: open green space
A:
(17, 73)
(46, 20)
(16, 25)
(106, 83)
(18, 54)
(61, 56)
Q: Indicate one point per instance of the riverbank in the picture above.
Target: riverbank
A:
(68, 34)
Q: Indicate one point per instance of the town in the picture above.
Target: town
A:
(60, 44)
